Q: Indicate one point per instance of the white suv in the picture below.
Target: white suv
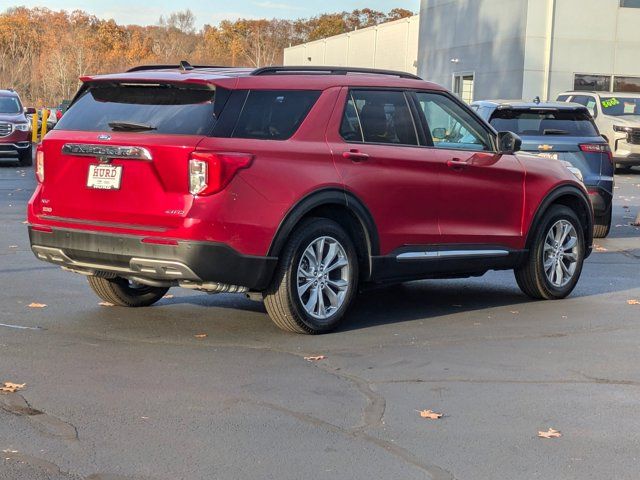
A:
(617, 116)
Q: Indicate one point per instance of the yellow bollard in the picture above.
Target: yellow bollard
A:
(34, 128)
(45, 117)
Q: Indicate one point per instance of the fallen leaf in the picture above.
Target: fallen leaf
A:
(515, 312)
(9, 387)
(25, 222)
(430, 414)
(13, 246)
(201, 335)
(168, 296)
(106, 304)
(36, 305)
(9, 451)
(315, 358)
(598, 248)
(551, 433)
(633, 302)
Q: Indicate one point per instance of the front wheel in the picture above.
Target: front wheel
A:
(555, 260)
(124, 293)
(316, 279)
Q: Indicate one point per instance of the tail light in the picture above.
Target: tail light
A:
(58, 114)
(210, 172)
(40, 165)
(597, 148)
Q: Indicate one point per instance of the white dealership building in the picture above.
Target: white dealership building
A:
(513, 49)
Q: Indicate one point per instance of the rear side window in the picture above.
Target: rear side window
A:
(274, 115)
(374, 116)
(165, 109)
(563, 98)
(575, 123)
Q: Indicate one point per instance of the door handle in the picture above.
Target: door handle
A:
(457, 164)
(355, 156)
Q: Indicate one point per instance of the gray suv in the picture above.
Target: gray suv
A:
(617, 116)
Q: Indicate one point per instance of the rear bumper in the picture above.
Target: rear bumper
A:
(189, 262)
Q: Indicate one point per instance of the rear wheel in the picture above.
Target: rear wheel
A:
(316, 279)
(555, 260)
(124, 293)
(602, 224)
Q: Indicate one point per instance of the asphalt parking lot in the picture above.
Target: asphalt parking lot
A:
(117, 394)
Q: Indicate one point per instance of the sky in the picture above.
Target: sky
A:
(147, 12)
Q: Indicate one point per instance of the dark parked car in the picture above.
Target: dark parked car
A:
(298, 185)
(15, 129)
(566, 132)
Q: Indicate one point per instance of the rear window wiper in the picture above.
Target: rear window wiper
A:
(130, 127)
(553, 131)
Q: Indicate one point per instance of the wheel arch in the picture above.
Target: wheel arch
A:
(342, 207)
(572, 197)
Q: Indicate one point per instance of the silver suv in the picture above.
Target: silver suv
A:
(617, 116)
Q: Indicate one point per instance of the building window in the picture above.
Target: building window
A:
(626, 84)
(630, 3)
(592, 83)
(463, 87)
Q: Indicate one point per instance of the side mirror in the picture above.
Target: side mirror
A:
(439, 133)
(509, 143)
(30, 111)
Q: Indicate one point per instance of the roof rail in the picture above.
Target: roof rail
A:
(183, 66)
(305, 70)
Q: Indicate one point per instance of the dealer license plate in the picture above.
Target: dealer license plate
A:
(104, 177)
(554, 156)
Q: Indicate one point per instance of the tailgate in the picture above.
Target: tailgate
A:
(145, 193)
(119, 157)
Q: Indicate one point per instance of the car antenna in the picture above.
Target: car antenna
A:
(536, 100)
(185, 66)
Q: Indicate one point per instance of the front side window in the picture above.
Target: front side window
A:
(376, 116)
(450, 125)
(274, 114)
(10, 105)
(531, 122)
(588, 101)
(630, 3)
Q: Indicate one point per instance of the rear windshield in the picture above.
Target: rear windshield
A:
(544, 122)
(167, 109)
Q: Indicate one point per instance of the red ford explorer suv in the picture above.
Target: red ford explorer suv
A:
(301, 185)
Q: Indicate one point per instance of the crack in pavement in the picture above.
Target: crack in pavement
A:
(589, 381)
(434, 472)
(48, 424)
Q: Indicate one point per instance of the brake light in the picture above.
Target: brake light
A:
(40, 165)
(58, 114)
(597, 148)
(211, 172)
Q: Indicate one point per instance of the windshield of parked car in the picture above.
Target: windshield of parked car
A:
(9, 105)
(149, 108)
(538, 122)
(619, 106)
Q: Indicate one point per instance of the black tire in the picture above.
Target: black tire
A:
(26, 157)
(281, 299)
(119, 291)
(531, 276)
(602, 224)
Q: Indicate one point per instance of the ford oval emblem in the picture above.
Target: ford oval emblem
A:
(104, 136)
